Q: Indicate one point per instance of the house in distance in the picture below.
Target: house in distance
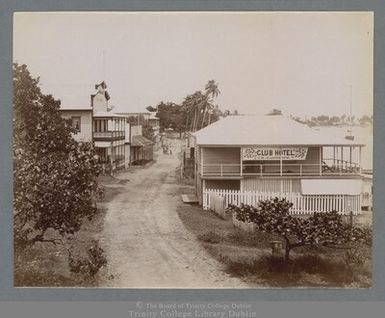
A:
(103, 128)
(249, 158)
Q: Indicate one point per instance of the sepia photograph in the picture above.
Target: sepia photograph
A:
(210, 150)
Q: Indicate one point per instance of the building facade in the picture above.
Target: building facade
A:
(81, 120)
(141, 148)
(249, 157)
(103, 128)
(146, 118)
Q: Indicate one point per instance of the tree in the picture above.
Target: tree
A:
(211, 91)
(274, 112)
(365, 120)
(195, 112)
(54, 176)
(326, 228)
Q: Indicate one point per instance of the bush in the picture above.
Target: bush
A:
(210, 237)
(89, 265)
(320, 229)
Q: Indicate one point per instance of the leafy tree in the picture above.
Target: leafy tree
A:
(148, 131)
(195, 112)
(326, 228)
(54, 176)
(274, 112)
(365, 120)
(171, 115)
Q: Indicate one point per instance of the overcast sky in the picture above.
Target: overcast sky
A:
(302, 63)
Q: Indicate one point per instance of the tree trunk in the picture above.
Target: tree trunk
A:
(287, 253)
(187, 117)
(288, 247)
(194, 120)
(204, 117)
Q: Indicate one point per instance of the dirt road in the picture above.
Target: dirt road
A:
(146, 243)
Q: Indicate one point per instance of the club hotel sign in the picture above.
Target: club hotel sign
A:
(271, 153)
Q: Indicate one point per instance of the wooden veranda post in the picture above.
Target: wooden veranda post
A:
(350, 157)
(359, 162)
(241, 163)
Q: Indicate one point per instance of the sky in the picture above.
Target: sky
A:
(301, 63)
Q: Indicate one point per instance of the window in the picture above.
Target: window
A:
(76, 123)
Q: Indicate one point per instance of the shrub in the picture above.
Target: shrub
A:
(320, 229)
(210, 237)
(89, 265)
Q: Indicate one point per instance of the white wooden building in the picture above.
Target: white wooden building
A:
(247, 158)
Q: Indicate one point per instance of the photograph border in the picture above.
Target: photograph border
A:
(8, 292)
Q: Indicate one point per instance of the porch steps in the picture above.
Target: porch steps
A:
(189, 198)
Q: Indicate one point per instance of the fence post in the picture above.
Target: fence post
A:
(204, 199)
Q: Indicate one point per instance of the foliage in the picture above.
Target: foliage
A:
(195, 112)
(54, 176)
(325, 120)
(170, 116)
(91, 264)
(326, 228)
(210, 237)
(275, 112)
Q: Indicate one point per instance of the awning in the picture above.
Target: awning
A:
(102, 144)
(140, 141)
(331, 186)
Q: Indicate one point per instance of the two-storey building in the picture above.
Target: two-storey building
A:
(248, 158)
(103, 128)
(81, 121)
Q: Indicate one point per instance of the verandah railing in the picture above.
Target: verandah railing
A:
(302, 204)
(328, 167)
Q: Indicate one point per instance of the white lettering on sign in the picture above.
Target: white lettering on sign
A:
(265, 153)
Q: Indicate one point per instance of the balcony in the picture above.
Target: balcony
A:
(109, 135)
(328, 167)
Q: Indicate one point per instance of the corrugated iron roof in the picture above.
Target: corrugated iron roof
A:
(140, 141)
(108, 114)
(247, 130)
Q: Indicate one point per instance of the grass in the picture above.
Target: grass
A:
(46, 264)
(248, 256)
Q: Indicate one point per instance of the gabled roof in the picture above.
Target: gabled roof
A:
(140, 141)
(108, 114)
(248, 130)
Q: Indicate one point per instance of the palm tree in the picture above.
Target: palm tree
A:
(211, 91)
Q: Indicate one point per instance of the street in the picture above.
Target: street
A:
(146, 243)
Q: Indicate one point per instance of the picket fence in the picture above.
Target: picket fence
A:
(302, 204)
